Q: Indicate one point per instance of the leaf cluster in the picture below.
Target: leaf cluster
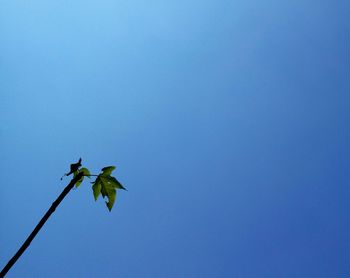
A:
(104, 184)
(107, 186)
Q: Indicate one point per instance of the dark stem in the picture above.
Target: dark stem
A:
(43, 220)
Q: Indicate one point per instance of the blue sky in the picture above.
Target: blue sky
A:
(228, 122)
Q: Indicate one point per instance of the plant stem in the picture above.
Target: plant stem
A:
(41, 223)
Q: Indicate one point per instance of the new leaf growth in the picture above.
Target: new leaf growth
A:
(104, 184)
(107, 186)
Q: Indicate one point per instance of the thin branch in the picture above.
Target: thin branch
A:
(43, 220)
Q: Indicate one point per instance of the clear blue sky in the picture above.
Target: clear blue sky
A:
(228, 122)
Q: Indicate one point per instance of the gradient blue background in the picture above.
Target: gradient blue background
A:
(228, 122)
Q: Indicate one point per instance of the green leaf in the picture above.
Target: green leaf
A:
(103, 190)
(79, 181)
(85, 171)
(112, 181)
(107, 171)
(111, 199)
(96, 188)
(106, 185)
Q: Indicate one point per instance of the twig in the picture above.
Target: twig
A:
(43, 220)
